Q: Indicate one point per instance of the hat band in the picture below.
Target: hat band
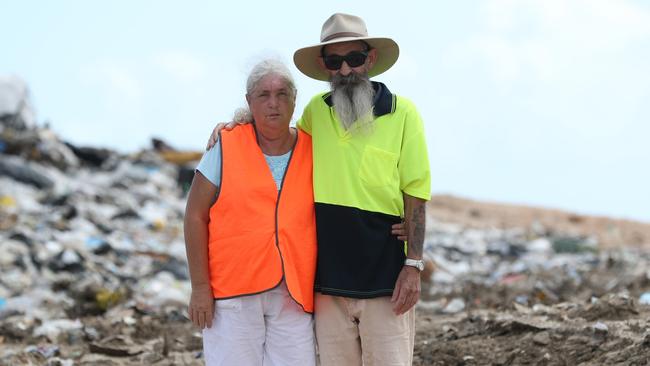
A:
(341, 35)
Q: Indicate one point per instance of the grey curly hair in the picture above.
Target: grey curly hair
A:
(259, 71)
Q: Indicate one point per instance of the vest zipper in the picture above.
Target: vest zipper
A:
(277, 205)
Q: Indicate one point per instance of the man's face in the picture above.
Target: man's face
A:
(352, 92)
(350, 49)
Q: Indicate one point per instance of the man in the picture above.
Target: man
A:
(370, 170)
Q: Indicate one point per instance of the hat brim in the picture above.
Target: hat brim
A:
(306, 59)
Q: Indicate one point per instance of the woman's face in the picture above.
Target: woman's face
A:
(272, 102)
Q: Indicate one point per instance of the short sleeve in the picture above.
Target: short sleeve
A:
(414, 170)
(304, 123)
(210, 164)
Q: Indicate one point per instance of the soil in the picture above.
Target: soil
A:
(578, 330)
(483, 337)
(586, 325)
(489, 338)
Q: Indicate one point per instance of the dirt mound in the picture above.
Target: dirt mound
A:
(532, 337)
(609, 232)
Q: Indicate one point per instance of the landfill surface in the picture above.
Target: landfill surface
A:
(93, 268)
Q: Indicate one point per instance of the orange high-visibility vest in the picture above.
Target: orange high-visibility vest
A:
(257, 233)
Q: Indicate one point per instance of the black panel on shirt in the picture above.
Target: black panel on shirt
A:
(358, 256)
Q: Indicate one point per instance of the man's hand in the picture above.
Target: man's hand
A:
(201, 309)
(407, 290)
(220, 126)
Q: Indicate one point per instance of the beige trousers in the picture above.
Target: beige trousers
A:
(364, 332)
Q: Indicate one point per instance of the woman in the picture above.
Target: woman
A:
(250, 234)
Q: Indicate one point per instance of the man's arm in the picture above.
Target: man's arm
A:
(407, 287)
(415, 217)
(214, 137)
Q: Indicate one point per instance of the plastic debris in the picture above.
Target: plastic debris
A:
(644, 299)
(53, 328)
(15, 103)
(454, 306)
(46, 351)
(25, 174)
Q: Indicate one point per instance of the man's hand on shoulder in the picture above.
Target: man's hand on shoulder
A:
(214, 137)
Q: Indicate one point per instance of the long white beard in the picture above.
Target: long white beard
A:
(352, 96)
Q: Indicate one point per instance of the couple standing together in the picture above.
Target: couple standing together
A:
(290, 230)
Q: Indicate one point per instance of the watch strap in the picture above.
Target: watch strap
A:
(417, 263)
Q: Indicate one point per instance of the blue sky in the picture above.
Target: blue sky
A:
(531, 102)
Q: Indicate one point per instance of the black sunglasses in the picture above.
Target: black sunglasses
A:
(353, 59)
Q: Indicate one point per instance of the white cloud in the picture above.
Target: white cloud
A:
(500, 15)
(624, 17)
(553, 39)
(116, 79)
(503, 57)
(182, 66)
(407, 68)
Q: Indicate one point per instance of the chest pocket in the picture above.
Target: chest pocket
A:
(378, 167)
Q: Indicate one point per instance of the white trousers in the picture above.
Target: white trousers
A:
(267, 329)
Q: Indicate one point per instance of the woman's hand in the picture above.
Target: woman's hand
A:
(400, 231)
(201, 309)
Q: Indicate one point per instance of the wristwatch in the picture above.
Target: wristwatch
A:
(417, 263)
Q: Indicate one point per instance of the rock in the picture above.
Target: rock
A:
(542, 338)
(600, 332)
(116, 346)
(600, 328)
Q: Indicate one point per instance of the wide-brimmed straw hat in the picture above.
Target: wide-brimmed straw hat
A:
(344, 28)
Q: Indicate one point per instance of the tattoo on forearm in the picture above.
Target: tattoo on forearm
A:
(417, 229)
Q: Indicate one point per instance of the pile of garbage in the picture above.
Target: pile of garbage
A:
(531, 296)
(526, 266)
(93, 269)
(91, 242)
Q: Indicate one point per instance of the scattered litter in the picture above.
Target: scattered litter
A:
(644, 299)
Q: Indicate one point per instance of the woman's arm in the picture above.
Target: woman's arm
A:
(197, 216)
